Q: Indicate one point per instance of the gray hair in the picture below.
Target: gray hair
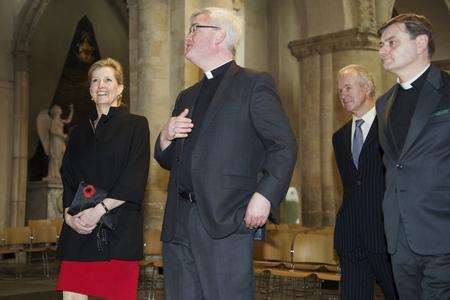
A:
(365, 76)
(225, 19)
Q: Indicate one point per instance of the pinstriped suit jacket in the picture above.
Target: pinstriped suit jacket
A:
(359, 222)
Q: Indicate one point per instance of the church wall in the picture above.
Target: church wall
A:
(51, 42)
(284, 26)
(255, 52)
(8, 19)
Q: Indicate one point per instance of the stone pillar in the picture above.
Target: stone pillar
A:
(149, 88)
(20, 146)
(320, 113)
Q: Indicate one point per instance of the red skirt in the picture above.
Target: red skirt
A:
(113, 279)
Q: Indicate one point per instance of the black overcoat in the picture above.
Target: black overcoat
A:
(418, 178)
(115, 157)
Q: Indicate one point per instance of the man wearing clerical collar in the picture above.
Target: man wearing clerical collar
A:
(231, 152)
(414, 131)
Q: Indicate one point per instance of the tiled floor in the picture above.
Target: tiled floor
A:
(35, 287)
(44, 289)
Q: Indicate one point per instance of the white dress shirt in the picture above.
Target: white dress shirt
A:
(368, 118)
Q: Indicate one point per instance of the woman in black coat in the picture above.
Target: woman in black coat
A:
(110, 151)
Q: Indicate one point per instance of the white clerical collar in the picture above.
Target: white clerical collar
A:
(209, 74)
(407, 84)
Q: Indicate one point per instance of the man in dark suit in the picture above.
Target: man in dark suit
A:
(414, 132)
(231, 153)
(359, 235)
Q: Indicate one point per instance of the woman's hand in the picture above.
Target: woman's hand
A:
(78, 225)
(92, 215)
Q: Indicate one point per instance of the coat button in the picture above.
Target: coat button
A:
(177, 159)
(358, 182)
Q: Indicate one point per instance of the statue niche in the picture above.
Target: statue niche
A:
(71, 103)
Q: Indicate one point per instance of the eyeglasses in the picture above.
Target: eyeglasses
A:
(195, 26)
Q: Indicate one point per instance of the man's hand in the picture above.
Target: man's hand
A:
(258, 210)
(176, 127)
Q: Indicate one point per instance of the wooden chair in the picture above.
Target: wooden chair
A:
(274, 251)
(39, 223)
(272, 259)
(43, 241)
(16, 241)
(57, 223)
(314, 251)
(153, 259)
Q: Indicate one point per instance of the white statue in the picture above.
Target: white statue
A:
(51, 133)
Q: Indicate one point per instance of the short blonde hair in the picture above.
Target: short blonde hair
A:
(365, 76)
(225, 19)
(113, 64)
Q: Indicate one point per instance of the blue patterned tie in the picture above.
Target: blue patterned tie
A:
(357, 141)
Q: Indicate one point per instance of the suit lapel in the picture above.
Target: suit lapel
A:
(189, 101)
(347, 140)
(387, 133)
(371, 136)
(219, 97)
(428, 99)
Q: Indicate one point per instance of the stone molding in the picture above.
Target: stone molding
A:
(443, 64)
(351, 39)
(30, 14)
(366, 13)
(237, 4)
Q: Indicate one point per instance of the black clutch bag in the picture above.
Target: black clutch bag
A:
(88, 196)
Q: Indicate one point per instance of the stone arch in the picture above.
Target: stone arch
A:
(29, 17)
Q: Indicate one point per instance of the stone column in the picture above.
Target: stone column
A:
(149, 88)
(6, 128)
(320, 113)
(20, 146)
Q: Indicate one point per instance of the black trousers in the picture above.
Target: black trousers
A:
(360, 269)
(197, 266)
(420, 276)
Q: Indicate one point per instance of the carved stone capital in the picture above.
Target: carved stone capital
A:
(237, 4)
(366, 14)
(351, 39)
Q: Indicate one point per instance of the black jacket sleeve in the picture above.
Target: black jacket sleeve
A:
(275, 132)
(68, 176)
(130, 187)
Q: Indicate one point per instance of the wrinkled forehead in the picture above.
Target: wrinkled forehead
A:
(201, 18)
(394, 30)
(349, 77)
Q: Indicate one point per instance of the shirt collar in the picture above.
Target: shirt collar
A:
(113, 111)
(408, 84)
(209, 74)
(368, 117)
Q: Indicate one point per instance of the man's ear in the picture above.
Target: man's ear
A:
(422, 43)
(220, 36)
